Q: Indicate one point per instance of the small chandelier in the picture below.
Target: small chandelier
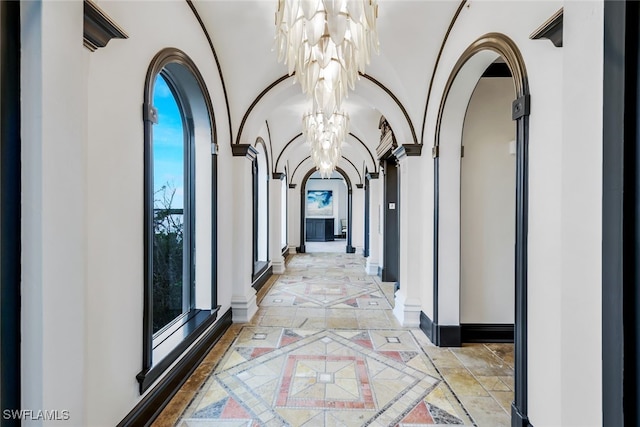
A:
(325, 134)
(326, 43)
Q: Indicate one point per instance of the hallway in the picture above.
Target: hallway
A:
(324, 349)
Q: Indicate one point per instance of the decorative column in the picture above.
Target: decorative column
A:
(374, 189)
(293, 223)
(407, 307)
(357, 226)
(276, 214)
(243, 297)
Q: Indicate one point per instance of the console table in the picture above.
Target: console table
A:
(319, 229)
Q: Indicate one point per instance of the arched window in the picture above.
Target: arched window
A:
(179, 129)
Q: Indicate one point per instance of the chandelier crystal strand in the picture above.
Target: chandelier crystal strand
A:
(326, 43)
(325, 135)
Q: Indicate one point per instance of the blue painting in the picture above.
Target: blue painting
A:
(319, 203)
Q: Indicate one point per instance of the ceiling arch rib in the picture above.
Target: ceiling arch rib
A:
(307, 164)
(297, 141)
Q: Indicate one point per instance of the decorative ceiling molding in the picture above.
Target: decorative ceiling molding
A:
(244, 150)
(215, 57)
(435, 66)
(98, 28)
(397, 101)
(551, 29)
(255, 102)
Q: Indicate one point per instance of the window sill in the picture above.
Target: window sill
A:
(171, 343)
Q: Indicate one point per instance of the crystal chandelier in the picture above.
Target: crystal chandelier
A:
(325, 134)
(326, 43)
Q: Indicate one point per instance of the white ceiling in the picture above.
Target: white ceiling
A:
(410, 34)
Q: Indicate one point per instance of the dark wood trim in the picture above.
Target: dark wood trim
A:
(517, 419)
(159, 65)
(435, 66)
(449, 335)
(255, 102)
(215, 57)
(292, 186)
(391, 222)
(487, 332)
(275, 167)
(620, 222)
(285, 251)
(380, 271)
(98, 28)
(497, 69)
(397, 101)
(148, 409)
(551, 29)
(372, 175)
(426, 325)
(266, 122)
(373, 160)
(10, 206)
(278, 175)
(261, 276)
(408, 150)
(505, 47)
(349, 248)
(244, 150)
(192, 329)
(360, 186)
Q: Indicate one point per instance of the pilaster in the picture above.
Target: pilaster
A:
(276, 214)
(243, 297)
(408, 305)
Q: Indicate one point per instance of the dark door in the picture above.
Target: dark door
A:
(391, 267)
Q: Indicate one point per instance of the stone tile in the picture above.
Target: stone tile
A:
(462, 382)
(485, 411)
(352, 360)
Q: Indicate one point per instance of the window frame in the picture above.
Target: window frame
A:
(191, 93)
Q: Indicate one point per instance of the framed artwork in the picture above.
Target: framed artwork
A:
(319, 203)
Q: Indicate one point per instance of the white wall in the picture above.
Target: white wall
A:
(55, 291)
(487, 208)
(564, 280)
(114, 164)
(339, 188)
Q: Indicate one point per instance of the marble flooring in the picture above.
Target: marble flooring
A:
(324, 349)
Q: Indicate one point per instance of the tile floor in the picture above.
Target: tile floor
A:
(324, 349)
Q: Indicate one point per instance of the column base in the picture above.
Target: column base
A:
(372, 267)
(407, 311)
(278, 266)
(243, 308)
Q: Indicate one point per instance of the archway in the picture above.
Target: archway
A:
(448, 136)
(303, 185)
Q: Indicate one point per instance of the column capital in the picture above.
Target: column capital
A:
(244, 150)
(407, 150)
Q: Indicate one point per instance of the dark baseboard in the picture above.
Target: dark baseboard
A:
(487, 332)
(146, 411)
(301, 249)
(449, 336)
(517, 419)
(285, 251)
(351, 250)
(396, 287)
(261, 278)
(426, 325)
(440, 335)
(380, 271)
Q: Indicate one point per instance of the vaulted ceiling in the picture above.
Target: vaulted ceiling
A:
(260, 93)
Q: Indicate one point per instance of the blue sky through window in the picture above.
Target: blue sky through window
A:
(168, 144)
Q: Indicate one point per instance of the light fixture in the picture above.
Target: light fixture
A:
(326, 43)
(325, 134)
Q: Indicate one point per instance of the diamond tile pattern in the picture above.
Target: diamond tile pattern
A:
(325, 350)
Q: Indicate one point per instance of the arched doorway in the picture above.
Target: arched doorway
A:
(447, 153)
(303, 211)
